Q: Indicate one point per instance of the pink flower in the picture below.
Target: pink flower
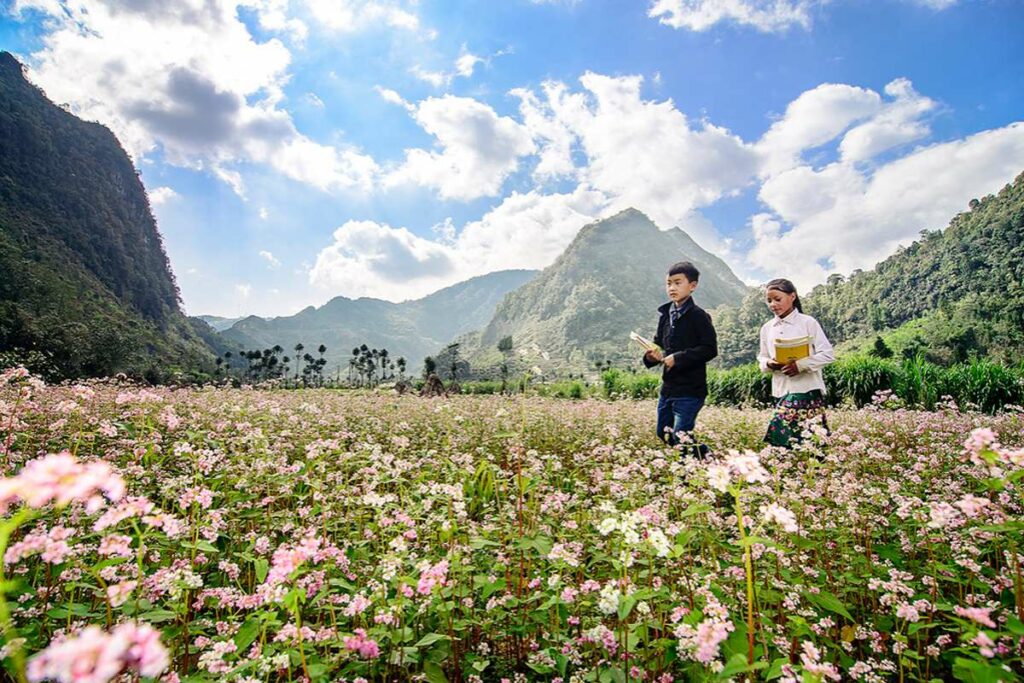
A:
(980, 615)
(61, 479)
(94, 656)
(359, 643)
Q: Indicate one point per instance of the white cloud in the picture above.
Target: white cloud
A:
(271, 260)
(525, 231)
(936, 4)
(466, 63)
(372, 259)
(814, 118)
(438, 79)
(354, 15)
(188, 78)
(161, 195)
(840, 218)
(389, 95)
(640, 153)
(314, 100)
(477, 149)
(765, 15)
(243, 290)
(897, 124)
(264, 213)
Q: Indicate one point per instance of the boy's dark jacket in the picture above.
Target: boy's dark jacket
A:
(694, 338)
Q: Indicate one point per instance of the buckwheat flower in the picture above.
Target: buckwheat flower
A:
(608, 603)
(980, 615)
(718, 477)
(116, 545)
(773, 512)
(747, 465)
(972, 506)
(365, 647)
(94, 656)
(985, 644)
(658, 541)
(907, 612)
(60, 479)
(606, 526)
(119, 593)
(941, 515)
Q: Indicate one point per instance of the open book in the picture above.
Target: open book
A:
(789, 350)
(643, 342)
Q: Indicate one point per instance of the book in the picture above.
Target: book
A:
(789, 350)
(643, 342)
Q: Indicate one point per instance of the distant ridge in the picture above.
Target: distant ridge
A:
(412, 329)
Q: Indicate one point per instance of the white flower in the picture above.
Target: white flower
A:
(606, 526)
(718, 477)
(609, 600)
(659, 542)
(781, 516)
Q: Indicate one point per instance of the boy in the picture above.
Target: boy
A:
(688, 341)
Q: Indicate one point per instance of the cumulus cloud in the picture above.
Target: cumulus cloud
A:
(368, 258)
(528, 230)
(640, 153)
(839, 218)
(764, 15)
(161, 195)
(476, 149)
(466, 63)
(189, 79)
(354, 15)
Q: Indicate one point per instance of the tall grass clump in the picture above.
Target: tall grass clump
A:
(858, 378)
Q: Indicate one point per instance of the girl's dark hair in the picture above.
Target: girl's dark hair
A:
(786, 287)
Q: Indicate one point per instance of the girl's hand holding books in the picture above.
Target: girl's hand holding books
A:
(653, 355)
(789, 369)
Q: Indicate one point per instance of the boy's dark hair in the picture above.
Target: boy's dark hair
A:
(786, 287)
(685, 268)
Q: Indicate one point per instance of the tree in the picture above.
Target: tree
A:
(880, 349)
(429, 366)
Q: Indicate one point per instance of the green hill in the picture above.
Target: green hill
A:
(610, 280)
(410, 329)
(954, 293)
(85, 286)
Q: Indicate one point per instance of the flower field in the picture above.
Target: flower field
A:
(244, 535)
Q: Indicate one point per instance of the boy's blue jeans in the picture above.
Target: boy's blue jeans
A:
(678, 413)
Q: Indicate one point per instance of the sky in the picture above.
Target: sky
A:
(297, 150)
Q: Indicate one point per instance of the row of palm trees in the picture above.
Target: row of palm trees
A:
(367, 367)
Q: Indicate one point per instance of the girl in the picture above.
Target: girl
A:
(798, 385)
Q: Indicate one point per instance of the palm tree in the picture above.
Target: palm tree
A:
(298, 352)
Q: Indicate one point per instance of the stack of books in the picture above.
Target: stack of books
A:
(790, 350)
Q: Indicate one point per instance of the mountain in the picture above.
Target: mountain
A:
(954, 293)
(85, 285)
(412, 329)
(218, 323)
(610, 280)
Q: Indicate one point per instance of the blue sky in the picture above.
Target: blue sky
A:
(295, 150)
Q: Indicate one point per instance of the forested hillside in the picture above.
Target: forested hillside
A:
(85, 285)
(953, 293)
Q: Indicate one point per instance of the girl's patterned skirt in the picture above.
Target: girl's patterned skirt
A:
(793, 414)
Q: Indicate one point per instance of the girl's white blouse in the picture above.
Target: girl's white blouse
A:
(796, 324)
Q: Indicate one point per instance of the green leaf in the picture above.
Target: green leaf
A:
(430, 639)
(613, 675)
(158, 615)
(737, 664)
(480, 664)
(478, 542)
(249, 631)
(434, 673)
(694, 510)
(262, 567)
(626, 606)
(829, 602)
